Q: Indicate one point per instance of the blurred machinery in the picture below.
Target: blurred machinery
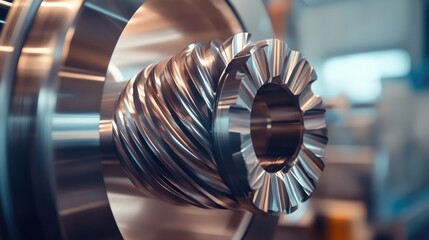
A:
(219, 125)
(372, 59)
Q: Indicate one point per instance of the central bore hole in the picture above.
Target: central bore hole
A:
(276, 127)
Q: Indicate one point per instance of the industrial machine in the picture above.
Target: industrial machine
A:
(158, 119)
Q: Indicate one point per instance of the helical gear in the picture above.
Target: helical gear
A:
(182, 127)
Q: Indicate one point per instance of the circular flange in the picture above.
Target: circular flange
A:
(269, 128)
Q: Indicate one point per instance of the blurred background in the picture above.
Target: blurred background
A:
(372, 60)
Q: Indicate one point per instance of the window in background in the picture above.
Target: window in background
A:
(358, 76)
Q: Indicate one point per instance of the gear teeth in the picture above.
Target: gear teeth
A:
(301, 77)
(292, 59)
(162, 125)
(276, 56)
(233, 45)
(183, 127)
(307, 185)
(308, 100)
(314, 119)
(311, 164)
(260, 64)
(315, 142)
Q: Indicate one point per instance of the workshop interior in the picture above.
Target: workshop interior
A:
(214, 119)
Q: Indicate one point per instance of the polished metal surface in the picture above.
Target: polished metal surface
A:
(269, 128)
(244, 111)
(13, 202)
(58, 160)
(154, 32)
(51, 180)
(53, 64)
(162, 126)
(57, 177)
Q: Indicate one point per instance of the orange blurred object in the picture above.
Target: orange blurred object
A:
(279, 11)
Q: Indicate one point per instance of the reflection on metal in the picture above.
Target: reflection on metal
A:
(134, 51)
(54, 56)
(4, 10)
(231, 125)
(279, 140)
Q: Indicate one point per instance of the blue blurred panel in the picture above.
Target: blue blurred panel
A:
(359, 76)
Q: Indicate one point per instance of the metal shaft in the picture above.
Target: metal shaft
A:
(224, 125)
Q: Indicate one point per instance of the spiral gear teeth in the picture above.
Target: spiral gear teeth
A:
(292, 59)
(211, 55)
(273, 196)
(303, 74)
(258, 64)
(315, 141)
(233, 45)
(295, 191)
(276, 56)
(190, 118)
(308, 100)
(292, 198)
(282, 196)
(255, 77)
(183, 127)
(247, 94)
(276, 202)
(260, 195)
(261, 64)
(259, 173)
(175, 77)
(163, 126)
(200, 76)
(303, 179)
(314, 119)
(311, 164)
(250, 159)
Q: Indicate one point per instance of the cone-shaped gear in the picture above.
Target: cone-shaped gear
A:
(269, 128)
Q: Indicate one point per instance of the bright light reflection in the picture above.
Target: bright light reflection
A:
(36, 50)
(6, 48)
(60, 4)
(82, 76)
(5, 3)
(359, 75)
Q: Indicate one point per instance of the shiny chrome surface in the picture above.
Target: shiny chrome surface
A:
(58, 158)
(12, 39)
(269, 128)
(51, 143)
(247, 97)
(162, 126)
(157, 31)
(54, 59)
